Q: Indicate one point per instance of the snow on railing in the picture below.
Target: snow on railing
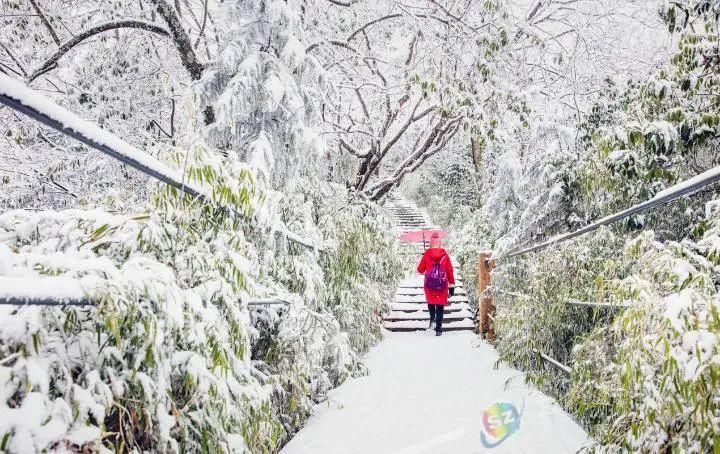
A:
(65, 291)
(661, 198)
(20, 97)
(574, 302)
(598, 305)
(269, 302)
(554, 362)
(46, 291)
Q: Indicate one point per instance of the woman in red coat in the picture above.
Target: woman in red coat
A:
(439, 280)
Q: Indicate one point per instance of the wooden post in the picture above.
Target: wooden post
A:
(486, 309)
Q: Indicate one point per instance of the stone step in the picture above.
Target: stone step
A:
(418, 281)
(414, 307)
(421, 299)
(421, 291)
(394, 316)
(418, 325)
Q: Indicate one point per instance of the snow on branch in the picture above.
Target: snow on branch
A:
(436, 141)
(68, 45)
(393, 16)
(554, 362)
(346, 3)
(332, 42)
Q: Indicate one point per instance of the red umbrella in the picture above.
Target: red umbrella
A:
(421, 236)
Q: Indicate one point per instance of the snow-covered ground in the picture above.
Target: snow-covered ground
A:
(427, 394)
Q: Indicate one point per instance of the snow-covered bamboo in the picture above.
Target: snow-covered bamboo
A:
(20, 97)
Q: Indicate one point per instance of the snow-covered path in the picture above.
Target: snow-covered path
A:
(426, 394)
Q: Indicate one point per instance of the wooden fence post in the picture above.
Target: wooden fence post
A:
(486, 308)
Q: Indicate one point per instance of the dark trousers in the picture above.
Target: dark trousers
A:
(436, 313)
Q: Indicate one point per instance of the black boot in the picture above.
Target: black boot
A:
(439, 312)
(430, 326)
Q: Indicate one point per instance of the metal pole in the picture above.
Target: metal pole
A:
(597, 305)
(17, 301)
(554, 362)
(269, 302)
(21, 301)
(12, 94)
(662, 198)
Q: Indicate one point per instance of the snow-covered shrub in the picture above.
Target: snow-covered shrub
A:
(168, 357)
(344, 288)
(539, 320)
(162, 360)
(643, 378)
(663, 376)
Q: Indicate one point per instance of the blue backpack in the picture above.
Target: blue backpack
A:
(436, 278)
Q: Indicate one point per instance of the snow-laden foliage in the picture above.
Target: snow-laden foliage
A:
(169, 357)
(259, 88)
(646, 377)
(127, 78)
(645, 362)
(509, 121)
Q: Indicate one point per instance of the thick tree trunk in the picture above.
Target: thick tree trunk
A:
(184, 47)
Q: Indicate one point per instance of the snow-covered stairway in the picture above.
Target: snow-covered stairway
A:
(407, 215)
(408, 310)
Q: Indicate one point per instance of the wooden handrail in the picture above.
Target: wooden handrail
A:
(486, 309)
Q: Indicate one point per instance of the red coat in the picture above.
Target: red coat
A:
(431, 256)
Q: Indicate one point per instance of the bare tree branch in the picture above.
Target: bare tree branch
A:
(370, 165)
(436, 141)
(75, 40)
(392, 16)
(342, 44)
(15, 60)
(347, 3)
(45, 22)
(352, 150)
(204, 22)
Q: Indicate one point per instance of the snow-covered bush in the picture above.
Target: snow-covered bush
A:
(168, 357)
(643, 378)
